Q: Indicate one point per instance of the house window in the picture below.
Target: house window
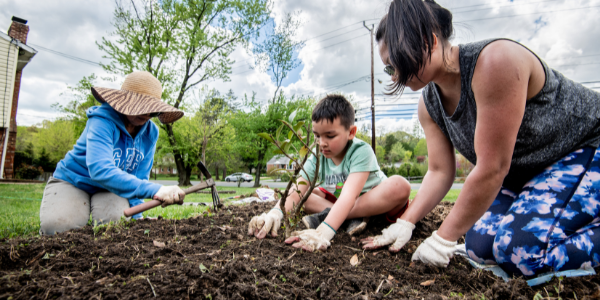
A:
(169, 169)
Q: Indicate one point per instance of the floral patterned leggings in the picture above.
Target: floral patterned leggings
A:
(553, 224)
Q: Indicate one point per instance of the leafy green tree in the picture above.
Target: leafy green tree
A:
(81, 100)
(380, 155)
(45, 162)
(259, 119)
(183, 43)
(276, 53)
(57, 138)
(389, 141)
(397, 153)
(26, 136)
(421, 148)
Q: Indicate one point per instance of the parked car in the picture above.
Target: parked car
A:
(239, 176)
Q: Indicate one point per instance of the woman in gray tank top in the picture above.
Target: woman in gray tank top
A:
(532, 203)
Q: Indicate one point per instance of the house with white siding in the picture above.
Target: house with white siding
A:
(14, 56)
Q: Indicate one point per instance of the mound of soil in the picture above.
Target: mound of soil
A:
(211, 257)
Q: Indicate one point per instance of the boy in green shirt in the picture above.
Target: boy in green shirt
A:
(350, 174)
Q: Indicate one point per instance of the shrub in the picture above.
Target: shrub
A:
(415, 171)
(29, 172)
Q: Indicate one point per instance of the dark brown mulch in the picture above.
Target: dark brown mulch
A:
(211, 257)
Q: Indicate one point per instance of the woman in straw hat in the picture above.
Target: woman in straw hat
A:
(107, 171)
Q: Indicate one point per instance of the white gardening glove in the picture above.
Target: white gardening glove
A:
(398, 233)
(169, 195)
(267, 222)
(435, 251)
(312, 239)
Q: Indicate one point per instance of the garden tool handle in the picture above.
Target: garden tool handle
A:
(141, 208)
(154, 203)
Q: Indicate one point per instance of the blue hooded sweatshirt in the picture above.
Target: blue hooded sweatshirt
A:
(106, 157)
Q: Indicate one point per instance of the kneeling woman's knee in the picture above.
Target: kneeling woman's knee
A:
(107, 207)
(53, 224)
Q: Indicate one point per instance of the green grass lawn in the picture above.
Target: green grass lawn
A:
(20, 207)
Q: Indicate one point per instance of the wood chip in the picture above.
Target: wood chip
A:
(158, 266)
(412, 264)
(159, 244)
(428, 282)
(102, 281)
(390, 277)
(354, 260)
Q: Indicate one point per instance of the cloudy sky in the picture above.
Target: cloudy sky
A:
(336, 57)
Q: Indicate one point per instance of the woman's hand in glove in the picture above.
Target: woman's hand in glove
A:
(169, 195)
(435, 251)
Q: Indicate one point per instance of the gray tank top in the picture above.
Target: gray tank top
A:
(563, 117)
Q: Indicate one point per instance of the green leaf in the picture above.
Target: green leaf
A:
(303, 151)
(286, 123)
(279, 132)
(298, 126)
(293, 115)
(300, 133)
(266, 136)
(277, 151)
(290, 135)
(302, 183)
(286, 148)
(203, 268)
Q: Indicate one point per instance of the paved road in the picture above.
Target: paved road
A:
(272, 184)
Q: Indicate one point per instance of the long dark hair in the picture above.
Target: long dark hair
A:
(407, 31)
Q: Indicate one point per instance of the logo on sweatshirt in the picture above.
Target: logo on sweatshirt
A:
(130, 162)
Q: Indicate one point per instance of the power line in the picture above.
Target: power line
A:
(93, 63)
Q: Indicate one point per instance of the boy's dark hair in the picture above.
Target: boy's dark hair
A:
(333, 106)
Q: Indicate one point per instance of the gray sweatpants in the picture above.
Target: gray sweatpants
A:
(66, 207)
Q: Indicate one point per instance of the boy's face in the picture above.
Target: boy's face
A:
(333, 137)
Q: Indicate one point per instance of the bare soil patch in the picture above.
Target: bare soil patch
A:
(211, 257)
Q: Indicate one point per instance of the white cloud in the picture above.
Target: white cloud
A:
(565, 38)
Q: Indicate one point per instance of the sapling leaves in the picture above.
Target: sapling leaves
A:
(279, 132)
(298, 126)
(303, 151)
(293, 116)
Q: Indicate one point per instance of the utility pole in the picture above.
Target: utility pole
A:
(372, 91)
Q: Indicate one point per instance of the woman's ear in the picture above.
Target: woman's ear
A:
(435, 42)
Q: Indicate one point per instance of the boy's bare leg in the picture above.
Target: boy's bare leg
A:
(389, 196)
(316, 202)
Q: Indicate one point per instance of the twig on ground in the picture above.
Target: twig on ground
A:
(153, 292)
(352, 248)
(377, 291)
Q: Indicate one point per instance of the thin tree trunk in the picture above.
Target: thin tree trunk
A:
(181, 174)
(216, 172)
(224, 172)
(258, 167)
(188, 174)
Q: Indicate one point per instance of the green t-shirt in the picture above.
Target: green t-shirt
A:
(358, 158)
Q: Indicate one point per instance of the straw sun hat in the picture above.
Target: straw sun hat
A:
(140, 94)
